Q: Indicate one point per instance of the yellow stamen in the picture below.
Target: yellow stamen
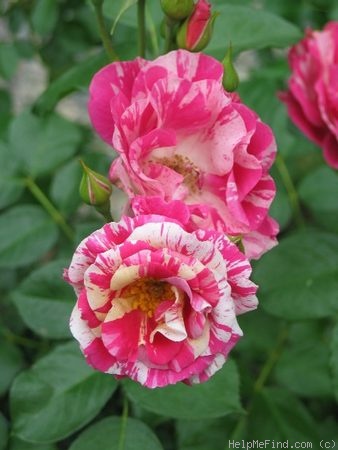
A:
(147, 293)
(186, 168)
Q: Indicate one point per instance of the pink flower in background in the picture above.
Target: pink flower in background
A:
(181, 136)
(157, 303)
(312, 98)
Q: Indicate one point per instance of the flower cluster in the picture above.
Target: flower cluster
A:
(159, 291)
(312, 98)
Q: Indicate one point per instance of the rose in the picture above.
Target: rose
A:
(157, 303)
(197, 213)
(181, 136)
(195, 33)
(312, 97)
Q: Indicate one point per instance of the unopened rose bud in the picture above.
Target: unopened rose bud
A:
(177, 9)
(230, 77)
(195, 33)
(95, 189)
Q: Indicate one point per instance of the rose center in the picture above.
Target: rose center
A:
(186, 168)
(147, 293)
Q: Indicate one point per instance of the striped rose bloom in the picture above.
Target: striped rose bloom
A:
(312, 95)
(157, 303)
(179, 135)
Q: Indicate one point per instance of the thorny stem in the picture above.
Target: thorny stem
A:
(141, 20)
(290, 189)
(50, 208)
(124, 418)
(105, 37)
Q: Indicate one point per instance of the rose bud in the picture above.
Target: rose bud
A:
(196, 31)
(230, 78)
(95, 190)
(177, 9)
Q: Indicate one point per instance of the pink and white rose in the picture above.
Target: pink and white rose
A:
(156, 302)
(179, 135)
(312, 97)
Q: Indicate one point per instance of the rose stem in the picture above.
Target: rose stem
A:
(168, 35)
(50, 208)
(105, 37)
(291, 190)
(141, 4)
(123, 423)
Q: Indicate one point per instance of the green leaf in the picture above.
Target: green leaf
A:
(125, 12)
(261, 343)
(78, 77)
(3, 432)
(58, 395)
(43, 144)
(44, 16)
(216, 398)
(26, 234)
(65, 184)
(45, 301)
(137, 436)
(319, 192)
(125, 5)
(65, 187)
(8, 60)
(299, 278)
(5, 112)
(248, 29)
(125, 40)
(85, 228)
(334, 359)
(5, 103)
(259, 92)
(304, 369)
(11, 185)
(278, 415)
(11, 362)
(203, 435)
(280, 209)
(17, 444)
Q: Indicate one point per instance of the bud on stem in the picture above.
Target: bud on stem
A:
(95, 190)
(177, 9)
(196, 31)
(230, 77)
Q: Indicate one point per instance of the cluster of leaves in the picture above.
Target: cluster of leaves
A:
(284, 382)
